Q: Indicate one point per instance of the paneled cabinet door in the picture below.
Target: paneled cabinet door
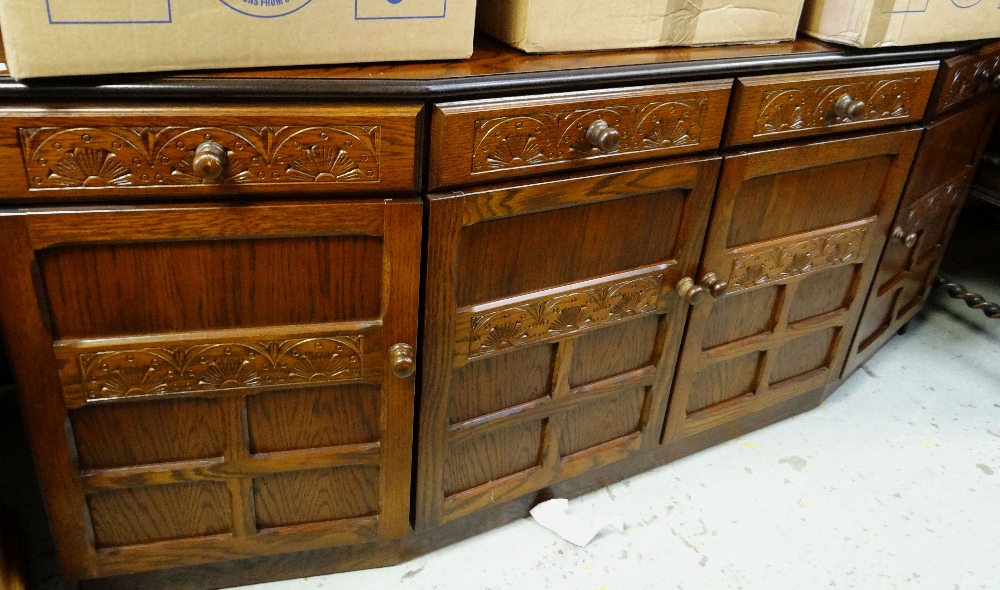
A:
(552, 328)
(942, 171)
(795, 235)
(213, 382)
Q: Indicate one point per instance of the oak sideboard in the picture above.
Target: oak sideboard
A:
(276, 323)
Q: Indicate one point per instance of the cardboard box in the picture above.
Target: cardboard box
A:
(67, 37)
(884, 23)
(540, 26)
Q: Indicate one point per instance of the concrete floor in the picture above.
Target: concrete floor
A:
(893, 483)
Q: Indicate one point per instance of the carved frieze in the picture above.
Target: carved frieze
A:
(544, 319)
(559, 136)
(789, 260)
(141, 372)
(92, 157)
(796, 109)
(969, 80)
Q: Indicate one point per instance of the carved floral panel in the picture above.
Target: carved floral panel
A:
(789, 260)
(796, 109)
(969, 80)
(220, 366)
(91, 157)
(559, 136)
(544, 319)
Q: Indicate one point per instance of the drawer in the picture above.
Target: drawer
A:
(769, 108)
(476, 141)
(967, 76)
(54, 153)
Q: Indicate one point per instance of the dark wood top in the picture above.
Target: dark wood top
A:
(494, 69)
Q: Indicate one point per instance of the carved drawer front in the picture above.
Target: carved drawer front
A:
(178, 151)
(966, 77)
(478, 141)
(212, 382)
(795, 234)
(769, 108)
(555, 357)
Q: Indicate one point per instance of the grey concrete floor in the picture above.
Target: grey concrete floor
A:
(894, 482)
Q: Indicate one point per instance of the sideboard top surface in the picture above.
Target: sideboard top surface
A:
(493, 70)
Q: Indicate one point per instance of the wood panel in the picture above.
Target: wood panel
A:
(554, 357)
(121, 289)
(942, 171)
(480, 141)
(746, 350)
(152, 151)
(189, 443)
(783, 106)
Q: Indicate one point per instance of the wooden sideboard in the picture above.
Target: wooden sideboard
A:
(277, 323)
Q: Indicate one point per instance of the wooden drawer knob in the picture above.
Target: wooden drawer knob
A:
(909, 239)
(713, 285)
(604, 137)
(849, 109)
(691, 292)
(401, 360)
(209, 160)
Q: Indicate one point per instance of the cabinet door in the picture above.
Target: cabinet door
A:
(214, 382)
(796, 233)
(552, 328)
(948, 154)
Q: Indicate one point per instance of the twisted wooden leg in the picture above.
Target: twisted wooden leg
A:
(973, 300)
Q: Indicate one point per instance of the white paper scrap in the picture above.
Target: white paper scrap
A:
(554, 515)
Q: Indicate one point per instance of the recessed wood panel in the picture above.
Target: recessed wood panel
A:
(320, 495)
(614, 350)
(139, 288)
(822, 292)
(723, 381)
(600, 421)
(494, 383)
(791, 202)
(730, 320)
(138, 516)
(802, 355)
(313, 417)
(123, 435)
(512, 255)
(491, 456)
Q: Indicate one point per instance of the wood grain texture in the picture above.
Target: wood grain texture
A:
(157, 432)
(74, 152)
(141, 516)
(606, 280)
(313, 418)
(305, 497)
(479, 141)
(766, 360)
(768, 108)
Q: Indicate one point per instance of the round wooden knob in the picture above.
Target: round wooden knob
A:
(715, 287)
(909, 239)
(604, 137)
(849, 109)
(401, 360)
(209, 160)
(690, 292)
